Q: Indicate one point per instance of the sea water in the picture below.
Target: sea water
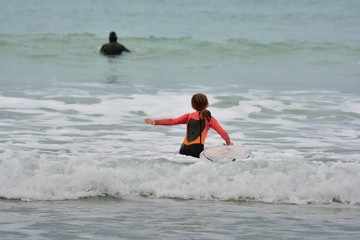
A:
(78, 162)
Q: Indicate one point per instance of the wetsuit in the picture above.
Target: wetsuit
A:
(113, 48)
(196, 132)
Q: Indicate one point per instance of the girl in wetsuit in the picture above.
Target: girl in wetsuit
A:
(197, 126)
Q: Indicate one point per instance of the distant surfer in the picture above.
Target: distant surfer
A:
(113, 47)
(197, 126)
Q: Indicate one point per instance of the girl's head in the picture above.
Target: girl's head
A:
(199, 102)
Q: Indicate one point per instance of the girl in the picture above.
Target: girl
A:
(198, 124)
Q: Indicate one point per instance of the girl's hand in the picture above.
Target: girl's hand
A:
(149, 121)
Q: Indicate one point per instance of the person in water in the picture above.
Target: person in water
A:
(197, 123)
(113, 47)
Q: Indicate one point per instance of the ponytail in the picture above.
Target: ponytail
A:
(205, 114)
(199, 102)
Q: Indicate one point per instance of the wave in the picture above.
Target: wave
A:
(65, 143)
(90, 175)
(238, 48)
(165, 47)
(291, 46)
(46, 46)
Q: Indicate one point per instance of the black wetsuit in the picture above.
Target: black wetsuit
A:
(113, 48)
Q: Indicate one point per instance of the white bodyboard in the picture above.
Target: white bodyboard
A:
(225, 153)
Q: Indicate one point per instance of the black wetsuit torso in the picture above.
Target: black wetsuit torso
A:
(113, 48)
(194, 131)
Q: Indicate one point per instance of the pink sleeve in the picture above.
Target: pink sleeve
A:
(216, 126)
(173, 121)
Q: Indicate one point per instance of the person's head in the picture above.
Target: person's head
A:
(199, 102)
(112, 37)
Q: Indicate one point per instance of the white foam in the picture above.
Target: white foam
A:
(78, 144)
(87, 175)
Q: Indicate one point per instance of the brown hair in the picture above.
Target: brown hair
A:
(199, 102)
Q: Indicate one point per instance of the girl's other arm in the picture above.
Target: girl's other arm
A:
(217, 127)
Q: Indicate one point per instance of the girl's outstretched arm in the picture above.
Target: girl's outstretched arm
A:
(149, 121)
(168, 121)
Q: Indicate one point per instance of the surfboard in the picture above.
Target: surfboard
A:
(225, 153)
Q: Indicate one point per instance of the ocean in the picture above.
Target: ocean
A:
(78, 162)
